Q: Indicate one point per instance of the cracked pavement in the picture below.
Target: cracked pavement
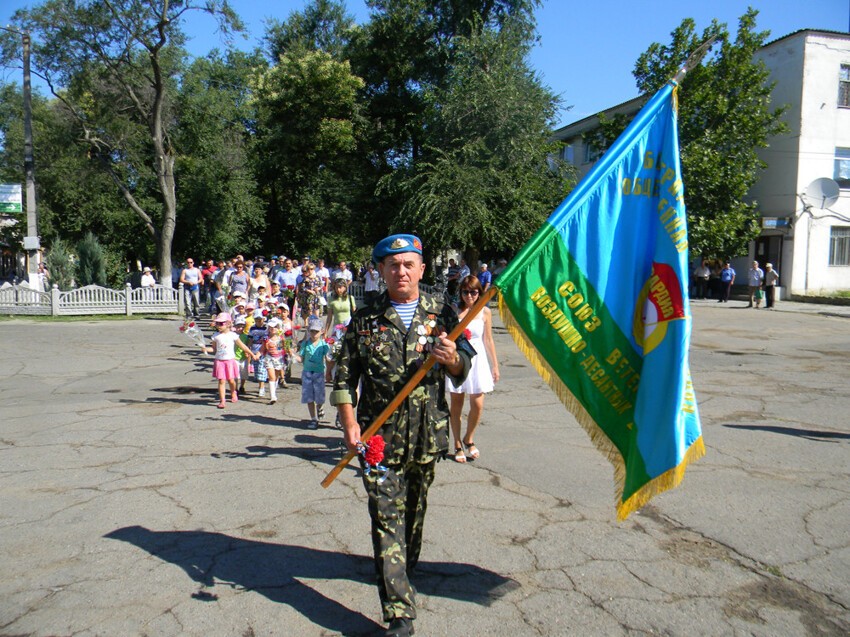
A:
(129, 505)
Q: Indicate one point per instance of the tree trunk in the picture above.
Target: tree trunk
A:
(165, 176)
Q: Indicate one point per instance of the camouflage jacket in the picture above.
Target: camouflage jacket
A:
(382, 355)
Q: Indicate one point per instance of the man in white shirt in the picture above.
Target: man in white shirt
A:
(701, 275)
(343, 273)
(370, 282)
(288, 280)
(324, 274)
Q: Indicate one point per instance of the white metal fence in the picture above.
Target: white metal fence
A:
(94, 299)
(91, 299)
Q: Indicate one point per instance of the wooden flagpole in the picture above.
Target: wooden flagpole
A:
(409, 387)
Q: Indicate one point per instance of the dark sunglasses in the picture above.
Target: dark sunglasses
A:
(469, 292)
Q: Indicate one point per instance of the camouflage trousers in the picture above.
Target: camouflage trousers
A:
(397, 508)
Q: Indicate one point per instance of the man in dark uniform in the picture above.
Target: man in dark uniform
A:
(386, 342)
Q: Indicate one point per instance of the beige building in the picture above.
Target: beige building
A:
(808, 244)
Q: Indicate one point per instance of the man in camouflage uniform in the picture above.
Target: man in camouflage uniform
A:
(382, 353)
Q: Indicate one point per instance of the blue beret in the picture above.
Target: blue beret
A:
(396, 244)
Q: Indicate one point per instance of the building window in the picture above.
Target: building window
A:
(844, 86)
(842, 167)
(591, 153)
(839, 245)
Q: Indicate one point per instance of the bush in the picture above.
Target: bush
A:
(60, 265)
(91, 266)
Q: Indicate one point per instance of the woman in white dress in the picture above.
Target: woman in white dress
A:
(482, 375)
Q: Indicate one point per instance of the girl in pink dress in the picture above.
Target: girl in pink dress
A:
(225, 368)
(482, 376)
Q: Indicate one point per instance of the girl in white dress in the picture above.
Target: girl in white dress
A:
(225, 368)
(482, 375)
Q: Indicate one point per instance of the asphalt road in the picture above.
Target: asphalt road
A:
(129, 505)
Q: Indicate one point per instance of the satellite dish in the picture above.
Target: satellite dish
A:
(823, 192)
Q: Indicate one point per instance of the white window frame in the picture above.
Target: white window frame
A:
(844, 86)
(839, 246)
(841, 172)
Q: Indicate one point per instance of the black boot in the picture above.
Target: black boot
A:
(400, 627)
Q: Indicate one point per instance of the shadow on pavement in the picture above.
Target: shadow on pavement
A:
(330, 452)
(276, 571)
(210, 398)
(809, 434)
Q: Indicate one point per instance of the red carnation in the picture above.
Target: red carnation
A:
(330, 340)
(288, 333)
(265, 312)
(191, 325)
(290, 287)
(182, 328)
(374, 450)
(467, 334)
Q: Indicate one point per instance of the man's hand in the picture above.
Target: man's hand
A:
(351, 436)
(446, 354)
(350, 426)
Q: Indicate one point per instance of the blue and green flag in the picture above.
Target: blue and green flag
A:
(598, 302)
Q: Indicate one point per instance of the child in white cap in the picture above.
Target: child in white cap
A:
(312, 354)
(225, 368)
(272, 352)
(257, 334)
(242, 359)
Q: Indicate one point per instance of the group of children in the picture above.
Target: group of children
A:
(259, 336)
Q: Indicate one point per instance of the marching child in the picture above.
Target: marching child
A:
(249, 316)
(289, 353)
(272, 352)
(241, 358)
(257, 333)
(224, 345)
(275, 293)
(312, 354)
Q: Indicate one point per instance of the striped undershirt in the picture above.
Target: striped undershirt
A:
(406, 311)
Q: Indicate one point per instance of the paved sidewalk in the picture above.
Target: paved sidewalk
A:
(821, 309)
(129, 505)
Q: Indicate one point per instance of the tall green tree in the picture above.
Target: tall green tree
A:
(308, 122)
(220, 210)
(483, 180)
(725, 116)
(323, 25)
(408, 48)
(74, 195)
(60, 265)
(113, 65)
(91, 261)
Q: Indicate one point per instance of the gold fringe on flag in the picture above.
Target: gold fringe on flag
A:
(600, 440)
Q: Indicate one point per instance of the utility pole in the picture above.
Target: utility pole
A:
(31, 240)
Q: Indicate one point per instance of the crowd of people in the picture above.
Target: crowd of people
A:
(714, 280)
(252, 305)
(364, 351)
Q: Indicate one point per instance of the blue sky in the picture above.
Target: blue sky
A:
(587, 49)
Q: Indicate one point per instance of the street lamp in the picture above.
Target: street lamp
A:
(31, 241)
